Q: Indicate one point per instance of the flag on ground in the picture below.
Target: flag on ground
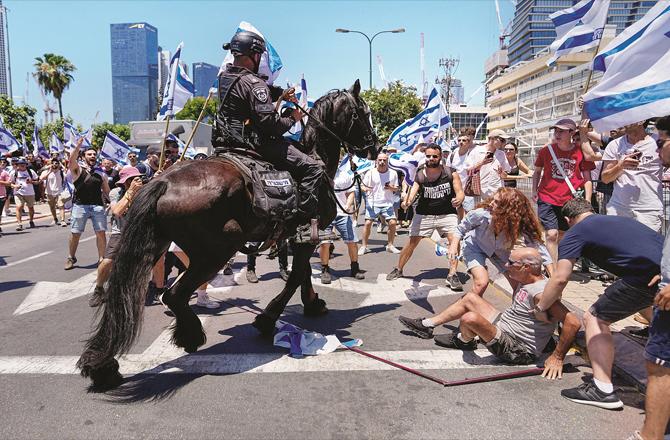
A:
(8, 143)
(113, 148)
(636, 82)
(578, 28)
(178, 89)
(38, 146)
(270, 64)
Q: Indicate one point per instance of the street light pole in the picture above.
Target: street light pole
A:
(370, 40)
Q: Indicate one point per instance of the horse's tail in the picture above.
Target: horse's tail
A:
(123, 308)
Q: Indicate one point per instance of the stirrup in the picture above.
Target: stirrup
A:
(310, 233)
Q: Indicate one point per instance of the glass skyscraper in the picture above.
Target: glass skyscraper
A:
(204, 75)
(532, 30)
(134, 71)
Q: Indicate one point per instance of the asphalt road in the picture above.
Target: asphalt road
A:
(239, 386)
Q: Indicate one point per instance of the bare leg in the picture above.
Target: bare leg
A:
(391, 233)
(159, 272)
(480, 278)
(600, 347)
(657, 402)
(19, 207)
(52, 207)
(552, 243)
(352, 249)
(473, 324)
(366, 232)
(453, 264)
(73, 243)
(31, 213)
(104, 270)
(101, 243)
(407, 251)
(470, 302)
(324, 253)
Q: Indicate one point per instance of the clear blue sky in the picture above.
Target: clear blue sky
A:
(303, 32)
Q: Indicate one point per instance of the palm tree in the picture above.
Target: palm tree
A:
(53, 75)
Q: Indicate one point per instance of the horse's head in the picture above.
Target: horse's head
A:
(354, 112)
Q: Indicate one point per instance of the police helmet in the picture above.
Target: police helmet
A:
(245, 43)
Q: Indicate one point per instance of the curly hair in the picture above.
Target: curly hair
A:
(513, 215)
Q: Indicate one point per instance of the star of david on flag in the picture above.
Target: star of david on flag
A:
(113, 148)
(8, 143)
(38, 146)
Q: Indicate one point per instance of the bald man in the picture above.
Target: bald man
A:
(514, 336)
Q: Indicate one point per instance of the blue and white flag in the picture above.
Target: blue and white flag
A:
(71, 136)
(178, 89)
(636, 82)
(405, 163)
(362, 165)
(113, 148)
(428, 123)
(2, 121)
(270, 64)
(190, 153)
(38, 146)
(578, 28)
(24, 144)
(55, 144)
(8, 143)
(295, 131)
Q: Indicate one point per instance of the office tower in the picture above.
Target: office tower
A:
(204, 76)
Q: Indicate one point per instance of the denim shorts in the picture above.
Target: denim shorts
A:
(345, 227)
(657, 350)
(474, 257)
(372, 212)
(620, 300)
(81, 213)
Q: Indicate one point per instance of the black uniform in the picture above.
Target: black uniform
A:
(247, 119)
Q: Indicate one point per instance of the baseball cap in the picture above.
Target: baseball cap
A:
(126, 173)
(21, 161)
(565, 124)
(498, 133)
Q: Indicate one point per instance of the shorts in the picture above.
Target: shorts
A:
(345, 227)
(510, 350)
(620, 300)
(54, 201)
(475, 257)
(551, 217)
(657, 350)
(81, 213)
(652, 219)
(28, 201)
(386, 212)
(112, 246)
(424, 225)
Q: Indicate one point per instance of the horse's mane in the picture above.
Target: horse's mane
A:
(312, 137)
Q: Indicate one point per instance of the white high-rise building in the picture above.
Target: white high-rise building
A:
(5, 68)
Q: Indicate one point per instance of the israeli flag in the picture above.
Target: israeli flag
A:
(428, 123)
(24, 145)
(114, 149)
(636, 82)
(178, 89)
(72, 136)
(270, 64)
(8, 143)
(38, 146)
(405, 163)
(295, 132)
(2, 121)
(55, 144)
(578, 28)
(362, 165)
(190, 152)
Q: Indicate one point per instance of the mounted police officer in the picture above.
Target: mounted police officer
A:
(247, 119)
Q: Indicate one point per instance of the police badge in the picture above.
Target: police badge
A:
(261, 93)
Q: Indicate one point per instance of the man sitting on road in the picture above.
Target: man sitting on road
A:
(514, 336)
(622, 246)
(440, 194)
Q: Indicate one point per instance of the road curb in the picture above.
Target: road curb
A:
(628, 355)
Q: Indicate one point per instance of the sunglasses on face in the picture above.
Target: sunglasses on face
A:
(381, 161)
(463, 140)
(509, 150)
(429, 156)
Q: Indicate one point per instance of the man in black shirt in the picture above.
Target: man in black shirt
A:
(629, 250)
(440, 194)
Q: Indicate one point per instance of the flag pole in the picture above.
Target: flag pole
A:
(165, 134)
(588, 79)
(197, 123)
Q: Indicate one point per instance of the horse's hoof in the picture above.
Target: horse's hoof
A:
(105, 377)
(315, 308)
(264, 324)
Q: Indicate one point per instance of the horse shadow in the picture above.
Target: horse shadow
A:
(8, 286)
(152, 386)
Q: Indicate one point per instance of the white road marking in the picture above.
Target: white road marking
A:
(49, 293)
(237, 363)
(92, 237)
(41, 254)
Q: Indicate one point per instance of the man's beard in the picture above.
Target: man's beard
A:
(432, 164)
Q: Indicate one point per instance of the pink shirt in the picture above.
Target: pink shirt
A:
(4, 176)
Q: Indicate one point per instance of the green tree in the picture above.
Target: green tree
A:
(54, 75)
(18, 118)
(100, 130)
(193, 108)
(391, 107)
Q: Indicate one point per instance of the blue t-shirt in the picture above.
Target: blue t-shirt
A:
(620, 245)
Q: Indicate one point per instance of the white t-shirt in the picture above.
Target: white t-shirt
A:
(54, 181)
(457, 163)
(640, 189)
(380, 196)
(343, 180)
(489, 176)
(20, 178)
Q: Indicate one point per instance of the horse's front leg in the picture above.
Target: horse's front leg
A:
(312, 304)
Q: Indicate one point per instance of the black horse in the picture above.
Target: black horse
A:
(205, 208)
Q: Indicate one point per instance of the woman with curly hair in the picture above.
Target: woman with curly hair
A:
(492, 230)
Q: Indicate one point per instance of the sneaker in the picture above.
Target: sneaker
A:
(450, 340)
(326, 277)
(589, 394)
(97, 298)
(54, 223)
(284, 274)
(19, 228)
(69, 263)
(394, 275)
(415, 326)
(205, 301)
(363, 250)
(251, 276)
(642, 333)
(454, 283)
(392, 249)
(31, 224)
(63, 224)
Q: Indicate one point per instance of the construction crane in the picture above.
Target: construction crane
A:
(504, 30)
(49, 111)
